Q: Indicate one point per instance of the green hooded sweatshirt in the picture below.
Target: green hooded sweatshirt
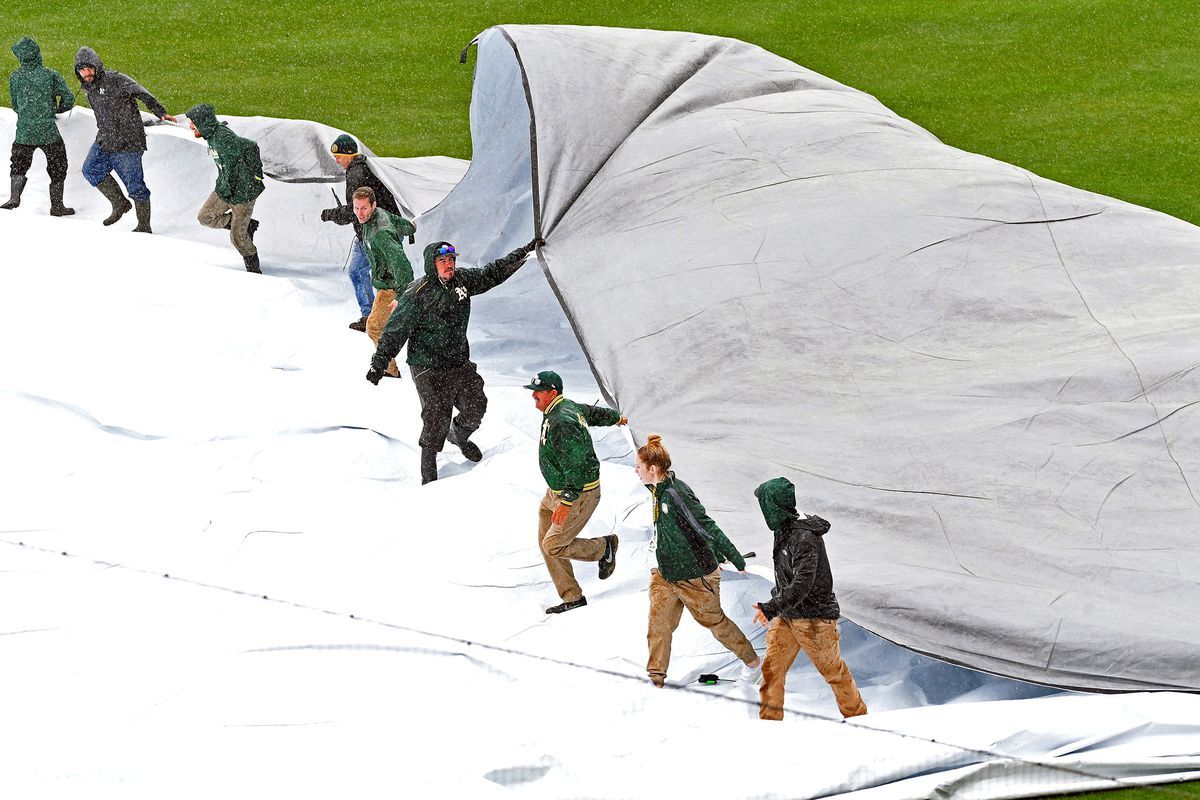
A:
(565, 453)
(239, 167)
(676, 559)
(432, 314)
(383, 240)
(37, 94)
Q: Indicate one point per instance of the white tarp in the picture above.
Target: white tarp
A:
(984, 379)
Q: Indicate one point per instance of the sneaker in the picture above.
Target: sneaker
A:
(561, 607)
(608, 561)
(359, 325)
(469, 449)
(752, 674)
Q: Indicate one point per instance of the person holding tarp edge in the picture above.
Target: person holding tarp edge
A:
(803, 610)
(432, 317)
(37, 94)
(358, 174)
(688, 546)
(568, 462)
(383, 239)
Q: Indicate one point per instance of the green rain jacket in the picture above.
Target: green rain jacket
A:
(565, 452)
(432, 315)
(677, 559)
(37, 94)
(239, 167)
(383, 236)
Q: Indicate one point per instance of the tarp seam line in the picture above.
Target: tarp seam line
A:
(963, 749)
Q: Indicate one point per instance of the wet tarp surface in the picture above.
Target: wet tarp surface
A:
(984, 379)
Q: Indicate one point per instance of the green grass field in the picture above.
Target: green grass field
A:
(1095, 93)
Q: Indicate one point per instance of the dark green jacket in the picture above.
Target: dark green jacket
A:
(37, 94)
(676, 558)
(239, 167)
(803, 579)
(383, 236)
(565, 453)
(432, 316)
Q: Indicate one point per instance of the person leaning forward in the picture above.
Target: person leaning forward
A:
(358, 174)
(803, 610)
(239, 182)
(568, 462)
(431, 316)
(383, 239)
(38, 93)
(120, 136)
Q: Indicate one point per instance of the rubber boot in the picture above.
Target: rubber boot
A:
(428, 465)
(112, 192)
(143, 216)
(252, 264)
(251, 228)
(18, 186)
(57, 209)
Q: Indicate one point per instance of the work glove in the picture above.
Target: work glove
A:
(374, 374)
(529, 248)
(327, 214)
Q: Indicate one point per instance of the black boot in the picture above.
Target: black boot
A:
(143, 216)
(428, 465)
(18, 186)
(252, 264)
(112, 192)
(251, 228)
(57, 209)
(462, 440)
(360, 325)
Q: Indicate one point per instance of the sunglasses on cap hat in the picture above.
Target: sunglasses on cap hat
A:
(446, 250)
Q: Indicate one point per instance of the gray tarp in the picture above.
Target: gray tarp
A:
(984, 379)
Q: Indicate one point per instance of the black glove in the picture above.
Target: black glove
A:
(529, 248)
(327, 214)
(374, 374)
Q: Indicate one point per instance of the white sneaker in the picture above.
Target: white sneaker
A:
(752, 674)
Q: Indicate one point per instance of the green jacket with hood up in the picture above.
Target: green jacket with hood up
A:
(37, 94)
(239, 166)
(432, 314)
(803, 580)
(676, 559)
(383, 239)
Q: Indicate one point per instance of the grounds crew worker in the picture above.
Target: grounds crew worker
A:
(431, 316)
(803, 610)
(37, 94)
(383, 238)
(568, 461)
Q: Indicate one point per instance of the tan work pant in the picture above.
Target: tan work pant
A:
(381, 310)
(560, 547)
(216, 213)
(818, 638)
(668, 600)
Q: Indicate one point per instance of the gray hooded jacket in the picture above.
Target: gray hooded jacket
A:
(113, 97)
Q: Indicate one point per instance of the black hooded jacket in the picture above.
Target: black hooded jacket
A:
(803, 580)
(359, 174)
(113, 97)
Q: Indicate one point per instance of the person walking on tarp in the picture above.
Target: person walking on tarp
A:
(688, 547)
(432, 316)
(120, 136)
(383, 238)
(803, 611)
(239, 182)
(37, 94)
(358, 174)
(568, 461)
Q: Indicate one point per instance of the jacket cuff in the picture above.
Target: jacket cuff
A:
(768, 609)
(568, 497)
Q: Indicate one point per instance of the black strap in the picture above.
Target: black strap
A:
(699, 539)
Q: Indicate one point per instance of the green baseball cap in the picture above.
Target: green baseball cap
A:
(544, 381)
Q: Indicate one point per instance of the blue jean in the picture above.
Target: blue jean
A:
(360, 277)
(128, 166)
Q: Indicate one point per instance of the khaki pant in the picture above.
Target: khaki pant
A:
(560, 547)
(381, 310)
(216, 213)
(818, 638)
(668, 600)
